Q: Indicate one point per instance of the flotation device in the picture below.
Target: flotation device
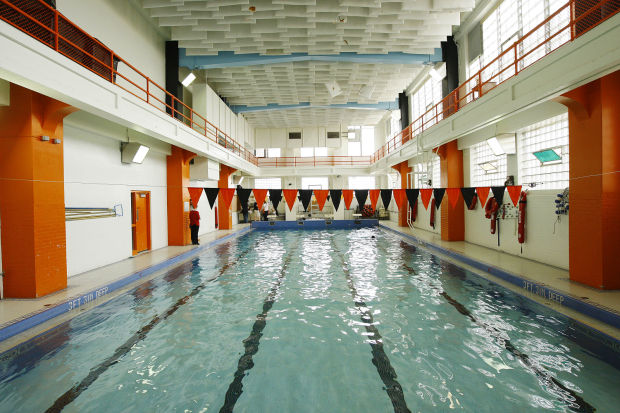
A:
(433, 213)
(474, 201)
(414, 212)
(522, 204)
(490, 212)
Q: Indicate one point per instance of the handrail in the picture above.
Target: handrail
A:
(330, 160)
(52, 28)
(517, 54)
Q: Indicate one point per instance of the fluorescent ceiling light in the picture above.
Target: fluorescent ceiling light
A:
(366, 91)
(333, 88)
(496, 147)
(189, 79)
(140, 154)
(548, 155)
(489, 167)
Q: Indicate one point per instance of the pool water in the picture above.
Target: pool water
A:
(312, 321)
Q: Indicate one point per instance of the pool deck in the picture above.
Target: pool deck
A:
(22, 319)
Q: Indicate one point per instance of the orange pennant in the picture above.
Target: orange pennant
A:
(321, 197)
(483, 193)
(515, 193)
(453, 195)
(426, 196)
(347, 194)
(399, 197)
(290, 195)
(260, 195)
(194, 195)
(227, 195)
(374, 197)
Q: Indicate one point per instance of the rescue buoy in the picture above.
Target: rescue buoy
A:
(522, 204)
(433, 213)
(414, 212)
(490, 212)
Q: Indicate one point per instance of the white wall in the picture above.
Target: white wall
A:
(95, 177)
(424, 216)
(207, 215)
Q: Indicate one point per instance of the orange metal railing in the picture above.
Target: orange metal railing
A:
(44, 23)
(295, 161)
(568, 23)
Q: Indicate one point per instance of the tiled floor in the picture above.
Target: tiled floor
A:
(552, 277)
(12, 310)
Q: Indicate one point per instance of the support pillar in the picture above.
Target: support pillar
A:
(32, 194)
(403, 169)
(223, 211)
(452, 219)
(177, 179)
(594, 222)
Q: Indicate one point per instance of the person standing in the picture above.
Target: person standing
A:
(194, 224)
(265, 210)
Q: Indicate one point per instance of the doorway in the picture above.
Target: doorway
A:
(140, 221)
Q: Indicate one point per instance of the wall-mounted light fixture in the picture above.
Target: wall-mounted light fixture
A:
(133, 152)
(45, 138)
(495, 147)
(188, 79)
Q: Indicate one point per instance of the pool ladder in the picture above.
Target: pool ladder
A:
(409, 221)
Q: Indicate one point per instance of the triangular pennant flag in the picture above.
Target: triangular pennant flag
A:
(468, 195)
(399, 197)
(335, 195)
(212, 195)
(290, 195)
(321, 197)
(412, 196)
(483, 194)
(244, 196)
(498, 193)
(347, 194)
(426, 196)
(306, 196)
(453, 196)
(227, 196)
(194, 195)
(260, 195)
(275, 195)
(515, 193)
(386, 197)
(374, 197)
(438, 193)
(361, 195)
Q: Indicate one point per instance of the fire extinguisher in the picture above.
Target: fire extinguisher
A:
(522, 204)
(414, 211)
(490, 212)
(433, 213)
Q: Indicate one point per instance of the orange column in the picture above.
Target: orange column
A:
(403, 169)
(594, 222)
(178, 196)
(224, 215)
(452, 219)
(32, 195)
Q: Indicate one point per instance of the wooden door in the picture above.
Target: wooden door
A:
(141, 221)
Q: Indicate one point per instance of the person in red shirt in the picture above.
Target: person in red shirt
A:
(194, 224)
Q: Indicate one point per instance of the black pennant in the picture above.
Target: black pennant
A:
(438, 194)
(275, 195)
(212, 195)
(412, 196)
(498, 193)
(386, 197)
(335, 195)
(468, 195)
(305, 195)
(361, 195)
(244, 196)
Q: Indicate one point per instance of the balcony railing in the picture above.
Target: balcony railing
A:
(296, 161)
(47, 25)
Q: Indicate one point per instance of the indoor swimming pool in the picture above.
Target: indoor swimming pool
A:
(313, 321)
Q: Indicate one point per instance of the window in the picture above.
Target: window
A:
(361, 182)
(320, 151)
(549, 140)
(259, 152)
(268, 183)
(393, 180)
(273, 152)
(487, 169)
(368, 140)
(425, 98)
(355, 149)
(321, 182)
(307, 152)
(394, 124)
(436, 166)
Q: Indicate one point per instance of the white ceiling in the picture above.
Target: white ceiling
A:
(278, 27)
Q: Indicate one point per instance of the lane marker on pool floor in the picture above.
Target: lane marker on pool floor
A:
(580, 405)
(253, 340)
(73, 393)
(379, 357)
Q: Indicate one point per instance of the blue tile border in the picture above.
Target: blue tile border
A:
(33, 319)
(315, 224)
(529, 286)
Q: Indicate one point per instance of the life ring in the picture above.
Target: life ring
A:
(433, 213)
(522, 204)
(490, 212)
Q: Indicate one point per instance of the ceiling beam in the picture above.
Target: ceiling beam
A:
(304, 105)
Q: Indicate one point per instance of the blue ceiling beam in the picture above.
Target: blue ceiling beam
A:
(307, 105)
(231, 59)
